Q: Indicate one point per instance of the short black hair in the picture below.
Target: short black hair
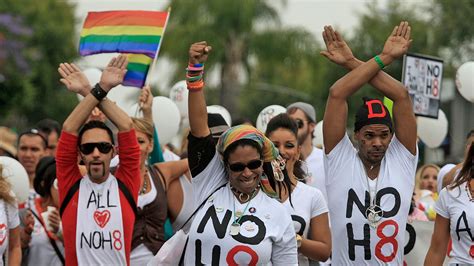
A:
(31, 133)
(48, 126)
(241, 143)
(282, 120)
(44, 176)
(95, 124)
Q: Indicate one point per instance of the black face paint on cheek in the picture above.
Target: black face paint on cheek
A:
(362, 141)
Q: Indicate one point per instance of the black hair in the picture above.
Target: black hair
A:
(48, 126)
(45, 176)
(284, 121)
(31, 133)
(241, 143)
(267, 167)
(95, 124)
(467, 170)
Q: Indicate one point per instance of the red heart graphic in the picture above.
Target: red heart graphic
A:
(102, 218)
(3, 233)
(471, 251)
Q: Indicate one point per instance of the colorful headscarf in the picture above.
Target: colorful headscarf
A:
(270, 152)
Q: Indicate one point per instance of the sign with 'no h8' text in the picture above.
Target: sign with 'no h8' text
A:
(422, 76)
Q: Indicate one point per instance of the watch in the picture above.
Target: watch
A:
(298, 240)
(98, 92)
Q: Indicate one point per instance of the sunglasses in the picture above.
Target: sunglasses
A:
(239, 167)
(88, 148)
(299, 123)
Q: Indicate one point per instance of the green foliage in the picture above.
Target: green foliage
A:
(215, 21)
(453, 22)
(30, 88)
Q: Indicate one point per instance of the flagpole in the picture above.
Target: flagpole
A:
(150, 70)
(158, 49)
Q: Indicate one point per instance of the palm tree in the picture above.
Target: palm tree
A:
(235, 30)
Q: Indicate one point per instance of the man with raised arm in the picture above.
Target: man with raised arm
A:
(369, 186)
(97, 209)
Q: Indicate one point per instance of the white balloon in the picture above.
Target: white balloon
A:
(166, 118)
(179, 95)
(134, 111)
(124, 96)
(267, 114)
(433, 131)
(465, 81)
(17, 176)
(217, 109)
(93, 75)
(318, 135)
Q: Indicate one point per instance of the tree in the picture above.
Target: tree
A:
(452, 21)
(37, 36)
(231, 27)
(289, 70)
(375, 24)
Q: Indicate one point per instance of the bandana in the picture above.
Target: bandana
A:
(372, 112)
(270, 152)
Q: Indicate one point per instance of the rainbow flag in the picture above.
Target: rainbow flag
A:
(131, 32)
(137, 70)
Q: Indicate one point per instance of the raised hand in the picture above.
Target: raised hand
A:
(337, 49)
(54, 221)
(198, 52)
(146, 102)
(25, 233)
(114, 73)
(74, 79)
(398, 42)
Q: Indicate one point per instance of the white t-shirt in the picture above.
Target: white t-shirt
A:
(353, 240)
(315, 163)
(455, 206)
(442, 172)
(188, 206)
(308, 202)
(266, 234)
(141, 255)
(100, 234)
(147, 198)
(169, 156)
(8, 220)
(41, 252)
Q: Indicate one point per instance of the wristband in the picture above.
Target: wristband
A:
(98, 92)
(379, 62)
(195, 86)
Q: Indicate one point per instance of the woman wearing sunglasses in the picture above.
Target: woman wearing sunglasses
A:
(46, 245)
(308, 208)
(241, 221)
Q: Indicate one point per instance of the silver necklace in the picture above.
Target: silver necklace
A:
(235, 226)
(145, 184)
(373, 213)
